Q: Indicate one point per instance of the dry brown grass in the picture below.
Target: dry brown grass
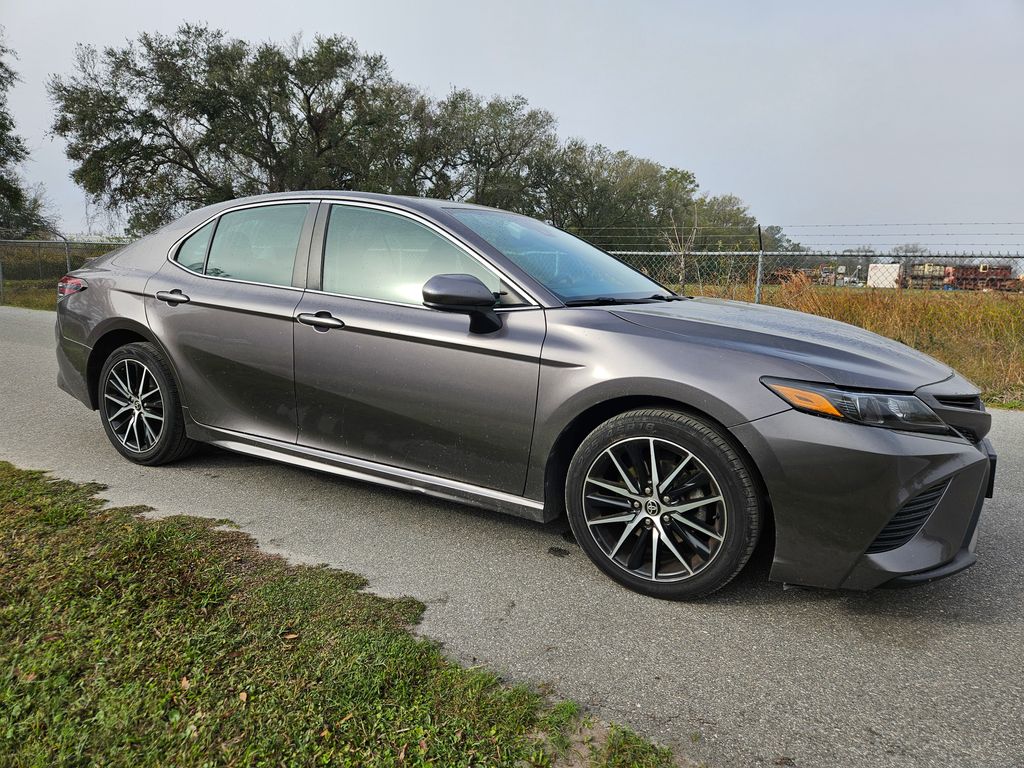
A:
(979, 334)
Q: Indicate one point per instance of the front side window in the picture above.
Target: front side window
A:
(257, 244)
(374, 254)
(567, 266)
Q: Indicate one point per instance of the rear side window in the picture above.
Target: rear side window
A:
(192, 253)
(257, 244)
(374, 254)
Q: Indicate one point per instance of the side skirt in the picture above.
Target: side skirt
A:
(368, 471)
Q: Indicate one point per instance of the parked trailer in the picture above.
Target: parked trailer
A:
(960, 277)
(981, 277)
(883, 275)
(925, 276)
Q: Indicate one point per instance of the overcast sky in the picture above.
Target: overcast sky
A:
(867, 112)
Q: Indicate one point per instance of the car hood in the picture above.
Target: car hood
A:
(844, 354)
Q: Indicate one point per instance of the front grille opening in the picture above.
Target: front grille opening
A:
(971, 402)
(908, 521)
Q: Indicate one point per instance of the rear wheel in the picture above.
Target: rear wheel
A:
(139, 406)
(663, 503)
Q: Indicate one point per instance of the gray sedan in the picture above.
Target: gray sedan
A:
(485, 357)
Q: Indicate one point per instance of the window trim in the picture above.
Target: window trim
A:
(301, 248)
(314, 280)
(307, 274)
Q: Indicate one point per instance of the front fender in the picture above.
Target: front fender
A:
(592, 357)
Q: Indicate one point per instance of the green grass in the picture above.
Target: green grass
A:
(31, 294)
(624, 749)
(133, 642)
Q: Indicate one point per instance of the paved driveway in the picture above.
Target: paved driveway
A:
(759, 675)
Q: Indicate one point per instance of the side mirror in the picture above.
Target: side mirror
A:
(464, 294)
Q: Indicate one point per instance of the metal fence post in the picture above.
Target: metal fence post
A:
(760, 266)
(1, 280)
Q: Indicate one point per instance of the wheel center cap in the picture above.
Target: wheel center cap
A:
(652, 507)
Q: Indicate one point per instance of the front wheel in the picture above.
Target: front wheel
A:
(139, 406)
(663, 503)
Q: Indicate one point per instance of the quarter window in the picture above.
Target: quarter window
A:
(257, 244)
(375, 254)
(192, 252)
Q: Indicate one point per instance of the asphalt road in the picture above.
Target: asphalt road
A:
(758, 675)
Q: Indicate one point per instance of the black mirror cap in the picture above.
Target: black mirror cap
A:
(465, 294)
(456, 292)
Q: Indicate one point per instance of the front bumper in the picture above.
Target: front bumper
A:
(835, 486)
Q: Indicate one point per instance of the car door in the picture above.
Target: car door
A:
(223, 307)
(398, 383)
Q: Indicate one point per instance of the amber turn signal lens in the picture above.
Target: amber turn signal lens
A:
(808, 401)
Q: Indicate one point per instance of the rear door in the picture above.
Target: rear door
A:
(403, 385)
(224, 308)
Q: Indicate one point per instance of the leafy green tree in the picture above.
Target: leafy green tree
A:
(170, 123)
(614, 199)
(777, 240)
(491, 152)
(22, 208)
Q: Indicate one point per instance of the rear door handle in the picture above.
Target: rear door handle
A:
(322, 321)
(172, 297)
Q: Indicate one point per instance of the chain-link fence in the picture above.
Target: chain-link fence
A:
(30, 269)
(967, 309)
(757, 275)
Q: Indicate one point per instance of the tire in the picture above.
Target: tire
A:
(706, 519)
(139, 406)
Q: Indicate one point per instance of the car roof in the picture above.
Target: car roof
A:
(422, 204)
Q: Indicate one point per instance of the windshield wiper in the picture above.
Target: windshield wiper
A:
(599, 300)
(668, 297)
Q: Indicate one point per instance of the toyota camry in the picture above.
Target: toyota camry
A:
(488, 358)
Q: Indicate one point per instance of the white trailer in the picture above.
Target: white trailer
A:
(883, 275)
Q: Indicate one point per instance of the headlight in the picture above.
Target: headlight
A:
(874, 409)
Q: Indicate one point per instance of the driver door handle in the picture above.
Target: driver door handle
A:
(321, 321)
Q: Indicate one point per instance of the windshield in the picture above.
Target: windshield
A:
(570, 268)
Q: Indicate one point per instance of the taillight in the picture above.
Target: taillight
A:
(69, 285)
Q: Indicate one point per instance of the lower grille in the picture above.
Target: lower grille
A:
(908, 521)
(968, 434)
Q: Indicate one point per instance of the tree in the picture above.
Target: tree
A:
(169, 123)
(776, 240)
(175, 122)
(491, 152)
(910, 249)
(23, 209)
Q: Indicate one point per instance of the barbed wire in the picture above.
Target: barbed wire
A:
(643, 232)
(815, 226)
(854, 252)
(818, 253)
